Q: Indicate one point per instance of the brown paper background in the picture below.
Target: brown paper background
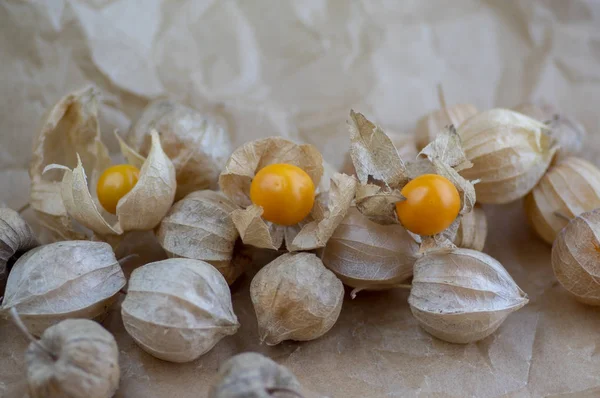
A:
(295, 69)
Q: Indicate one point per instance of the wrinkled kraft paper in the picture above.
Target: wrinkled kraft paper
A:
(295, 68)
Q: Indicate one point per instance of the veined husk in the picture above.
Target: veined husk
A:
(576, 257)
(329, 209)
(178, 309)
(462, 295)
(568, 189)
(199, 227)
(472, 230)
(252, 375)
(368, 256)
(198, 144)
(430, 125)
(76, 358)
(295, 298)
(16, 237)
(72, 279)
(141, 209)
(382, 173)
(69, 128)
(569, 134)
(510, 153)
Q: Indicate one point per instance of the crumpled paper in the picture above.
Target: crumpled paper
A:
(295, 69)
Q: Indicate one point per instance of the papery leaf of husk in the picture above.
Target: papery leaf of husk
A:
(377, 203)
(248, 159)
(447, 149)
(465, 188)
(132, 157)
(80, 280)
(472, 231)
(438, 243)
(374, 154)
(16, 237)
(255, 231)
(316, 233)
(151, 198)
(200, 227)
(69, 127)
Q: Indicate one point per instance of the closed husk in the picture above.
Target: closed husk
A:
(295, 298)
(430, 125)
(178, 309)
(198, 144)
(568, 189)
(72, 279)
(510, 152)
(472, 230)
(462, 295)
(199, 227)
(369, 256)
(576, 257)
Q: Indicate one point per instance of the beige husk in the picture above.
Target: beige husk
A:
(472, 230)
(76, 358)
(368, 256)
(16, 237)
(462, 295)
(197, 144)
(312, 232)
(576, 257)
(382, 173)
(141, 209)
(80, 280)
(430, 125)
(566, 190)
(252, 375)
(510, 153)
(199, 227)
(178, 309)
(569, 134)
(69, 128)
(295, 298)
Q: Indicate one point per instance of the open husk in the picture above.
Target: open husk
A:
(462, 295)
(382, 172)
(72, 279)
(252, 375)
(568, 189)
(141, 209)
(178, 309)
(510, 153)
(329, 209)
(576, 257)
(69, 128)
(75, 358)
(295, 298)
(472, 230)
(198, 144)
(16, 237)
(199, 227)
(368, 256)
(569, 134)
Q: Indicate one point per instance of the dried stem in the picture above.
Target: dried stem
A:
(19, 323)
(404, 286)
(128, 257)
(285, 390)
(24, 208)
(441, 97)
(561, 215)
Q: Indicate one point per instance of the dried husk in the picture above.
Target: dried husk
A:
(568, 189)
(72, 279)
(70, 127)
(510, 153)
(198, 144)
(75, 358)
(369, 256)
(312, 232)
(462, 295)
(472, 230)
(141, 209)
(178, 309)
(576, 257)
(252, 375)
(16, 237)
(295, 298)
(430, 125)
(382, 173)
(569, 134)
(199, 227)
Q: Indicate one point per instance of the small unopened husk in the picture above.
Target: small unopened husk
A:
(472, 230)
